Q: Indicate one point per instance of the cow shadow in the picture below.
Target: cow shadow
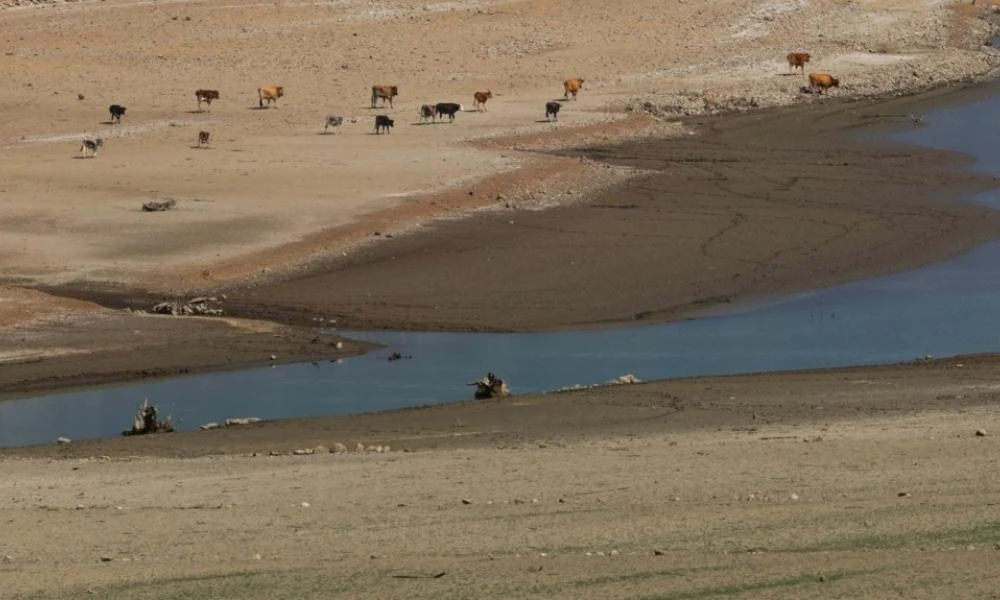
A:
(196, 112)
(545, 121)
(198, 147)
(81, 157)
(262, 107)
(109, 122)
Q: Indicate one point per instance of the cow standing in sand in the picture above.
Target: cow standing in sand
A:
(385, 93)
(797, 60)
(206, 96)
(333, 121)
(572, 86)
(270, 94)
(90, 146)
(552, 111)
(425, 113)
(383, 122)
(117, 112)
(480, 100)
(822, 81)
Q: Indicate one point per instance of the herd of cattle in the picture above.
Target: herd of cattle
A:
(267, 95)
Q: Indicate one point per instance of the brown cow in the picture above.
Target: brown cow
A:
(822, 81)
(384, 92)
(797, 60)
(480, 100)
(206, 96)
(271, 93)
(572, 86)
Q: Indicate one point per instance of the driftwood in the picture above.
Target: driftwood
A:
(490, 386)
(202, 305)
(146, 421)
(158, 205)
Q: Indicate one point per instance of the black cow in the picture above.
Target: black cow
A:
(383, 122)
(552, 110)
(117, 112)
(447, 108)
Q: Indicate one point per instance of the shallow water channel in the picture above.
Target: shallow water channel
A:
(940, 310)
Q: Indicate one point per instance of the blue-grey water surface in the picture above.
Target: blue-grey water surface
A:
(941, 310)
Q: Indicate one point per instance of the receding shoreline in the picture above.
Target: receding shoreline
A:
(372, 282)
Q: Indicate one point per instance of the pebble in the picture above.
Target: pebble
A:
(981, 433)
(466, 501)
(63, 440)
(794, 496)
(340, 345)
(306, 505)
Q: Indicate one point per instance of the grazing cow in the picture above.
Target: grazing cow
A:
(206, 96)
(384, 92)
(447, 108)
(822, 81)
(271, 93)
(333, 121)
(426, 112)
(572, 86)
(383, 122)
(797, 60)
(552, 110)
(117, 112)
(481, 98)
(203, 138)
(91, 146)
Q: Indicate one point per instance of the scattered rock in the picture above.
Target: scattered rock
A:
(360, 447)
(306, 505)
(980, 433)
(303, 451)
(466, 501)
(105, 559)
(207, 426)
(658, 552)
(321, 449)
(202, 305)
(63, 440)
(159, 205)
(242, 421)
(903, 494)
(794, 496)
(339, 448)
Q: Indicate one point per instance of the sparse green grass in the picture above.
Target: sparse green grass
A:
(986, 533)
(734, 590)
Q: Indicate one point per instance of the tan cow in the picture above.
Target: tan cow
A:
(797, 60)
(480, 100)
(822, 81)
(384, 93)
(572, 86)
(271, 93)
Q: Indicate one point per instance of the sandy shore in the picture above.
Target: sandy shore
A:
(857, 483)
